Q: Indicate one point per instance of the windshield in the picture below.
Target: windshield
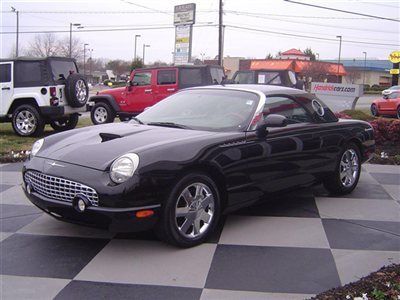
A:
(62, 69)
(214, 110)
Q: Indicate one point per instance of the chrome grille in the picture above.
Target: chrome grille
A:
(59, 188)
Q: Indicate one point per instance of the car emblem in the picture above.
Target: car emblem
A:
(54, 164)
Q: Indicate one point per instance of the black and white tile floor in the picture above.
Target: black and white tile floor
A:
(291, 248)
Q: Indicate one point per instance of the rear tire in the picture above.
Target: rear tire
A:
(191, 212)
(374, 110)
(66, 123)
(102, 113)
(76, 90)
(347, 173)
(27, 121)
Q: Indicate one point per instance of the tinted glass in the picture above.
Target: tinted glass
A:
(244, 78)
(166, 77)
(142, 79)
(287, 107)
(29, 73)
(214, 110)
(269, 78)
(61, 69)
(394, 95)
(5, 72)
(190, 77)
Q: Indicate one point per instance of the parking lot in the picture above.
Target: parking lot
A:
(293, 247)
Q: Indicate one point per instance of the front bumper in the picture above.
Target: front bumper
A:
(113, 219)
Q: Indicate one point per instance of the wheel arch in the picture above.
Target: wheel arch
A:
(21, 101)
(108, 99)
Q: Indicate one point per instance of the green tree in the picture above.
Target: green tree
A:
(136, 63)
(310, 53)
(118, 66)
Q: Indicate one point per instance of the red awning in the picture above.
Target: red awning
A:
(272, 64)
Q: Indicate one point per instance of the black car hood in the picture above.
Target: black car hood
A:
(97, 146)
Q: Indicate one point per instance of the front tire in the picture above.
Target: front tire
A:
(374, 110)
(27, 121)
(66, 123)
(347, 173)
(191, 211)
(102, 113)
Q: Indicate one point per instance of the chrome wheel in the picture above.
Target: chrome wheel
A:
(81, 91)
(194, 211)
(100, 115)
(374, 110)
(349, 168)
(26, 122)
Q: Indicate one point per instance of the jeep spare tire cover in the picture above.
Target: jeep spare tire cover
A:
(76, 90)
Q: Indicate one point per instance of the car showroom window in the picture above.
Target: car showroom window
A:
(288, 108)
(142, 78)
(5, 72)
(166, 77)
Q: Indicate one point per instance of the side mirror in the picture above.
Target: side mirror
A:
(385, 96)
(271, 120)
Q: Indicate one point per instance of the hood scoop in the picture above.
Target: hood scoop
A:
(108, 136)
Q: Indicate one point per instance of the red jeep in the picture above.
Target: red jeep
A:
(148, 86)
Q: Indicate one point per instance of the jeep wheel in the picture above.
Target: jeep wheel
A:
(102, 113)
(76, 90)
(26, 121)
(66, 123)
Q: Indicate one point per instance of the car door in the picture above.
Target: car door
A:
(285, 157)
(140, 94)
(7, 87)
(166, 84)
(390, 104)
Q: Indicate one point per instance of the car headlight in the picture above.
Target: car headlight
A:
(123, 167)
(36, 146)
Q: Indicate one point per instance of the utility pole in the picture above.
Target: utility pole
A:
(220, 35)
(136, 36)
(340, 51)
(70, 36)
(365, 66)
(84, 59)
(144, 51)
(17, 38)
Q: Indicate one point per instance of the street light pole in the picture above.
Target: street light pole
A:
(17, 38)
(84, 59)
(70, 37)
(136, 36)
(340, 51)
(365, 66)
(144, 50)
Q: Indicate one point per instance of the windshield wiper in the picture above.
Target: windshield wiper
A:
(169, 124)
(137, 120)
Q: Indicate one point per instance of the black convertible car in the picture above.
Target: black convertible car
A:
(197, 154)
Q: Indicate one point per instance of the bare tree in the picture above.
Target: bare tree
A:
(353, 74)
(316, 71)
(76, 49)
(43, 45)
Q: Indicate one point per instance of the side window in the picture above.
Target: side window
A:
(287, 107)
(216, 75)
(28, 73)
(166, 77)
(189, 77)
(143, 78)
(5, 72)
(244, 78)
(394, 95)
(269, 78)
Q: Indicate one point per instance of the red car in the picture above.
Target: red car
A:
(148, 86)
(388, 105)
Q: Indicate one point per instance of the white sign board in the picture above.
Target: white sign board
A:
(182, 44)
(337, 89)
(338, 96)
(184, 14)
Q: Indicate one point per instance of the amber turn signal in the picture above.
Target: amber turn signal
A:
(144, 213)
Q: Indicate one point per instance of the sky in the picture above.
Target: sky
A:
(254, 28)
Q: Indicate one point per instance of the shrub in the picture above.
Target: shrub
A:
(386, 131)
(358, 115)
(342, 115)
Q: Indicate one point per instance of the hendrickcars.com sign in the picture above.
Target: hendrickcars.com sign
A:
(337, 89)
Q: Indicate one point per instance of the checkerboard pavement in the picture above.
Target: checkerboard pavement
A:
(292, 247)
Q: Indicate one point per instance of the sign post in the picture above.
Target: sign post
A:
(394, 58)
(184, 18)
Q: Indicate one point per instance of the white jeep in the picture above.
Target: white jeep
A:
(40, 91)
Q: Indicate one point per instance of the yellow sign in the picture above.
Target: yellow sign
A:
(394, 71)
(183, 40)
(394, 57)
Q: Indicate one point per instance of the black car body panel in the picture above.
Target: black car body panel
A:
(245, 167)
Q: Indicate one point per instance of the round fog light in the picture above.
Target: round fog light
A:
(81, 205)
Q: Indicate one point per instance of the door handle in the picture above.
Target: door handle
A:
(147, 91)
(170, 90)
(5, 88)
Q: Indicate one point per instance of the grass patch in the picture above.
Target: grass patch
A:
(357, 114)
(9, 141)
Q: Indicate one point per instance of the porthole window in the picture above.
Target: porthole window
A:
(318, 108)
